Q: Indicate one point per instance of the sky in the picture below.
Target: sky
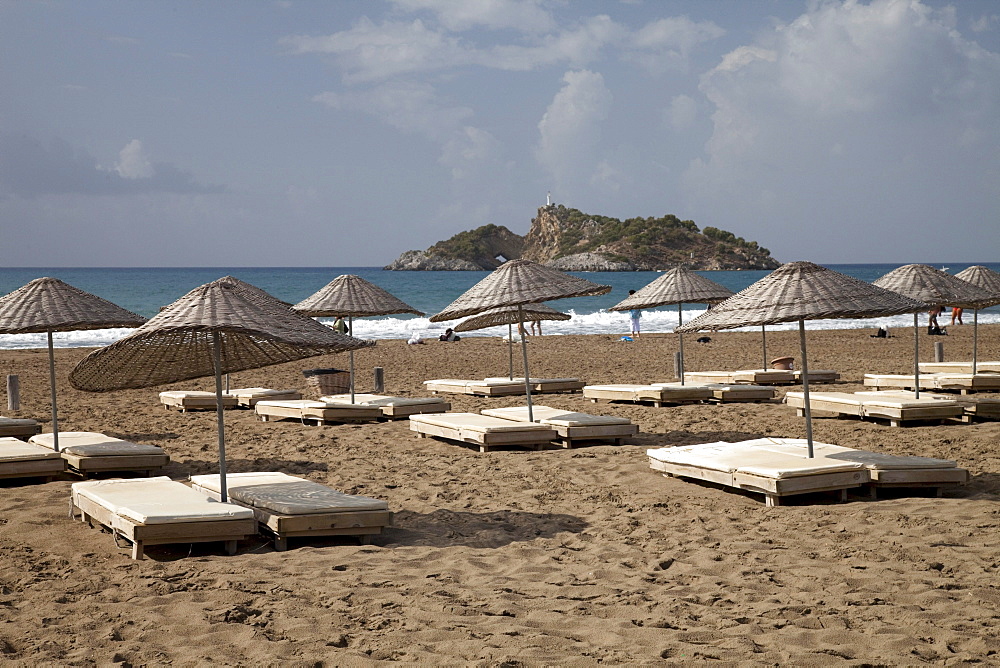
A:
(302, 133)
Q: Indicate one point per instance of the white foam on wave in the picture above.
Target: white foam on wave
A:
(600, 322)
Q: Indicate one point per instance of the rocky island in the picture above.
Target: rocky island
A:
(571, 240)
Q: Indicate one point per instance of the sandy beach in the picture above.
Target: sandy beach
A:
(517, 557)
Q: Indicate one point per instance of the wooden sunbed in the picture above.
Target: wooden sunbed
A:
(746, 376)
(502, 387)
(160, 511)
(731, 393)
(19, 427)
(194, 400)
(87, 453)
(818, 376)
(309, 411)
(247, 397)
(658, 395)
(753, 469)
(482, 430)
(290, 507)
(547, 385)
(570, 426)
(393, 408)
(27, 460)
(973, 407)
(896, 408)
(885, 470)
(963, 383)
(958, 367)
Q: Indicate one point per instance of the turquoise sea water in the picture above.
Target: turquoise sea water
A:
(145, 290)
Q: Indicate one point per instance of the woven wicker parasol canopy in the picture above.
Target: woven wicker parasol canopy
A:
(677, 286)
(220, 327)
(933, 287)
(352, 296)
(518, 282)
(50, 305)
(508, 315)
(800, 291)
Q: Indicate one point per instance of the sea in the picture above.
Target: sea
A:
(145, 290)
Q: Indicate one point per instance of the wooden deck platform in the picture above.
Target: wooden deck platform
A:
(482, 431)
(573, 428)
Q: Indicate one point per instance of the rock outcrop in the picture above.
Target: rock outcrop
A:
(571, 240)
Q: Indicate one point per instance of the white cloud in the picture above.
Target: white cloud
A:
(570, 132)
(682, 113)
(852, 120)
(577, 46)
(469, 152)
(369, 52)
(133, 162)
(524, 15)
(667, 43)
(411, 107)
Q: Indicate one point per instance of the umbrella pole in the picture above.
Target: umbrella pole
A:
(763, 344)
(975, 339)
(916, 357)
(805, 388)
(220, 414)
(510, 351)
(680, 321)
(524, 354)
(52, 389)
(350, 329)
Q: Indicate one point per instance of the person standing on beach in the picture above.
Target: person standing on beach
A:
(340, 325)
(956, 312)
(932, 323)
(634, 316)
(537, 323)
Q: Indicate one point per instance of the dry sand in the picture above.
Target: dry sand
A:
(559, 557)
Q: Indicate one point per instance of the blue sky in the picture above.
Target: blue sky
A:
(344, 133)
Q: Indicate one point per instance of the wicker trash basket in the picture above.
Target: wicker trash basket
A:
(328, 381)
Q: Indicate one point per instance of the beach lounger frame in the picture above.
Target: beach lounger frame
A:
(570, 435)
(268, 411)
(657, 395)
(362, 524)
(773, 489)
(248, 397)
(22, 428)
(394, 408)
(963, 383)
(731, 393)
(450, 428)
(897, 410)
(27, 460)
(89, 459)
(185, 401)
(742, 376)
(228, 531)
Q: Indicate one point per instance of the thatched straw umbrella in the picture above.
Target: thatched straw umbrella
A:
(351, 296)
(518, 283)
(800, 291)
(508, 315)
(935, 288)
(678, 286)
(50, 305)
(218, 328)
(989, 281)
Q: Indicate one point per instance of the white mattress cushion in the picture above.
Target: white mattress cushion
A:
(473, 422)
(187, 394)
(158, 500)
(251, 392)
(871, 460)
(286, 494)
(290, 403)
(94, 444)
(520, 380)
(555, 416)
(13, 449)
(381, 400)
(625, 387)
(743, 458)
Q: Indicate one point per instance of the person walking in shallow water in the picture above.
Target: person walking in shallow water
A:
(634, 316)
